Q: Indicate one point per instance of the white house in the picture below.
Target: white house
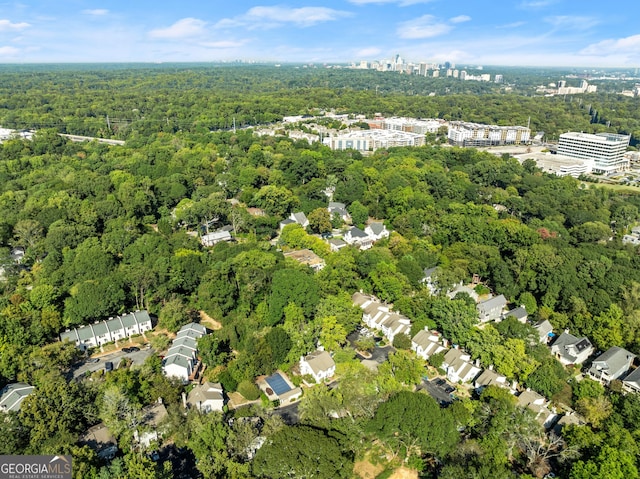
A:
(206, 397)
(427, 343)
(377, 231)
(319, 365)
(459, 367)
(300, 218)
(491, 309)
(215, 237)
(614, 363)
(571, 350)
(339, 209)
(355, 236)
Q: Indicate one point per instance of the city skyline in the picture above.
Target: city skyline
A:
(525, 33)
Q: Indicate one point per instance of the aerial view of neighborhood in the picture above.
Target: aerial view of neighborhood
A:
(375, 268)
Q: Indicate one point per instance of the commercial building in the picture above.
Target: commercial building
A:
(606, 149)
(462, 133)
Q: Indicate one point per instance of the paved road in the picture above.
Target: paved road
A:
(138, 358)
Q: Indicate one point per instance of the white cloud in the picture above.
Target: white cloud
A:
(426, 26)
(224, 44)
(368, 52)
(460, 19)
(612, 46)
(302, 17)
(8, 51)
(7, 25)
(187, 27)
(402, 3)
(98, 12)
(537, 3)
(512, 25)
(572, 22)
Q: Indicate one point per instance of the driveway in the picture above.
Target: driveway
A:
(289, 413)
(138, 358)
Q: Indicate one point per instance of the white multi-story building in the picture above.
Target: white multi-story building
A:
(371, 140)
(462, 133)
(412, 125)
(607, 149)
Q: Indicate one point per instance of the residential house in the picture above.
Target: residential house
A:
(545, 331)
(181, 360)
(355, 236)
(12, 395)
(278, 387)
(113, 329)
(100, 439)
(427, 343)
(538, 405)
(460, 288)
(206, 397)
(519, 313)
(491, 309)
(151, 428)
(17, 254)
(631, 383)
(459, 367)
(300, 218)
(568, 419)
(612, 364)
(337, 244)
(377, 231)
(571, 350)
(319, 365)
(286, 222)
(489, 377)
(429, 279)
(339, 209)
(378, 316)
(215, 237)
(308, 258)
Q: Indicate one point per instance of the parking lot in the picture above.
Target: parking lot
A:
(438, 389)
(91, 365)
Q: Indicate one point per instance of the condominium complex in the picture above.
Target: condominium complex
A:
(462, 133)
(411, 125)
(606, 149)
(371, 140)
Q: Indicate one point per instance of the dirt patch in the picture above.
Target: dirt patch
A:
(236, 400)
(366, 470)
(404, 473)
(209, 321)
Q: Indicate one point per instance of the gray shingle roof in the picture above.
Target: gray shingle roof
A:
(12, 395)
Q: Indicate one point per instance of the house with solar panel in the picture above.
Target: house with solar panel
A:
(181, 360)
(278, 387)
(107, 331)
(569, 349)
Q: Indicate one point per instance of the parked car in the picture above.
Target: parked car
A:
(134, 349)
(108, 366)
(93, 360)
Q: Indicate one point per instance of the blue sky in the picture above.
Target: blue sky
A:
(489, 32)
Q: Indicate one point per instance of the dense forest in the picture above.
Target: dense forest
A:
(109, 229)
(133, 103)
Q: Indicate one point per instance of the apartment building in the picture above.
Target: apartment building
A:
(462, 133)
